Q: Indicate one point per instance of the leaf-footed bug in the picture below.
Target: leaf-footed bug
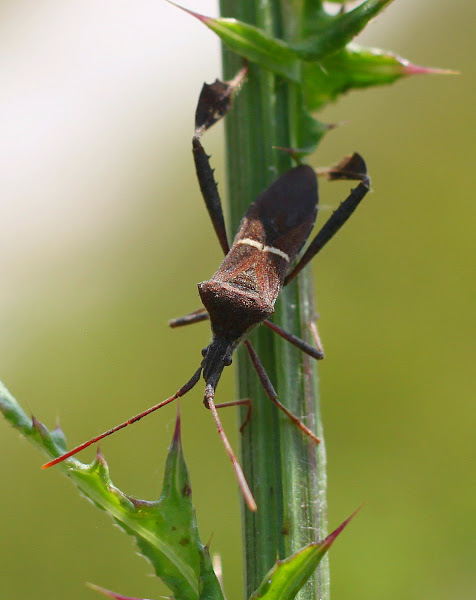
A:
(242, 293)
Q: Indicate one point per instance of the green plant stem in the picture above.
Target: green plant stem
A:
(285, 470)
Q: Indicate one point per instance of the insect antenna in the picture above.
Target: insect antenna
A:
(245, 490)
(182, 391)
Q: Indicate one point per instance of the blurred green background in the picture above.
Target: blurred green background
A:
(104, 236)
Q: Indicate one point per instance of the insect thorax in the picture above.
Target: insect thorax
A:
(233, 312)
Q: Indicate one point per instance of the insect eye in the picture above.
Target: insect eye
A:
(204, 351)
(228, 360)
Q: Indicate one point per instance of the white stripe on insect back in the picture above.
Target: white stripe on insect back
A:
(260, 246)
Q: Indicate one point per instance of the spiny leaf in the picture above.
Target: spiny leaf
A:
(324, 63)
(352, 68)
(288, 576)
(310, 132)
(253, 43)
(165, 530)
(326, 35)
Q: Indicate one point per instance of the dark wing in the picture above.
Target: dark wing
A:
(284, 214)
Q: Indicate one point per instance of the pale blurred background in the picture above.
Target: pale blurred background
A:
(104, 237)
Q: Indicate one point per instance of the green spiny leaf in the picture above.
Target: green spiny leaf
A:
(324, 36)
(284, 580)
(209, 586)
(253, 44)
(165, 530)
(111, 594)
(352, 68)
(310, 132)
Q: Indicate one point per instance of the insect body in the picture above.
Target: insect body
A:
(242, 293)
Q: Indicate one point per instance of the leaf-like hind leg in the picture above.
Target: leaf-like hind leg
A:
(214, 102)
(353, 168)
(209, 189)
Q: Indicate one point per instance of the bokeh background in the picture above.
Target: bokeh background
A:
(104, 236)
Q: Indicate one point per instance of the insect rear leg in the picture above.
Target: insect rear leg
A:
(214, 102)
(352, 167)
(209, 189)
(271, 393)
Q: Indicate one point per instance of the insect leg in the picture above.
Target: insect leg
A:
(340, 215)
(248, 496)
(214, 102)
(271, 393)
(210, 193)
(244, 402)
(194, 317)
(181, 392)
(316, 353)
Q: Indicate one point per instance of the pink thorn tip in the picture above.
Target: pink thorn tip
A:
(330, 539)
(99, 455)
(411, 69)
(202, 18)
(331, 126)
(58, 429)
(38, 425)
(110, 594)
(177, 431)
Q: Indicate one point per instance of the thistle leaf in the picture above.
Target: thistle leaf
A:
(354, 67)
(253, 44)
(165, 530)
(284, 580)
(111, 594)
(327, 34)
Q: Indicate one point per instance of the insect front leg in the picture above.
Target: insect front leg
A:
(194, 317)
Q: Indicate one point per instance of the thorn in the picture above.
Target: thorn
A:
(295, 153)
(100, 456)
(177, 437)
(38, 425)
(208, 544)
(198, 16)
(331, 126)
(411, 69)
(330, 539)
(106, 592)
